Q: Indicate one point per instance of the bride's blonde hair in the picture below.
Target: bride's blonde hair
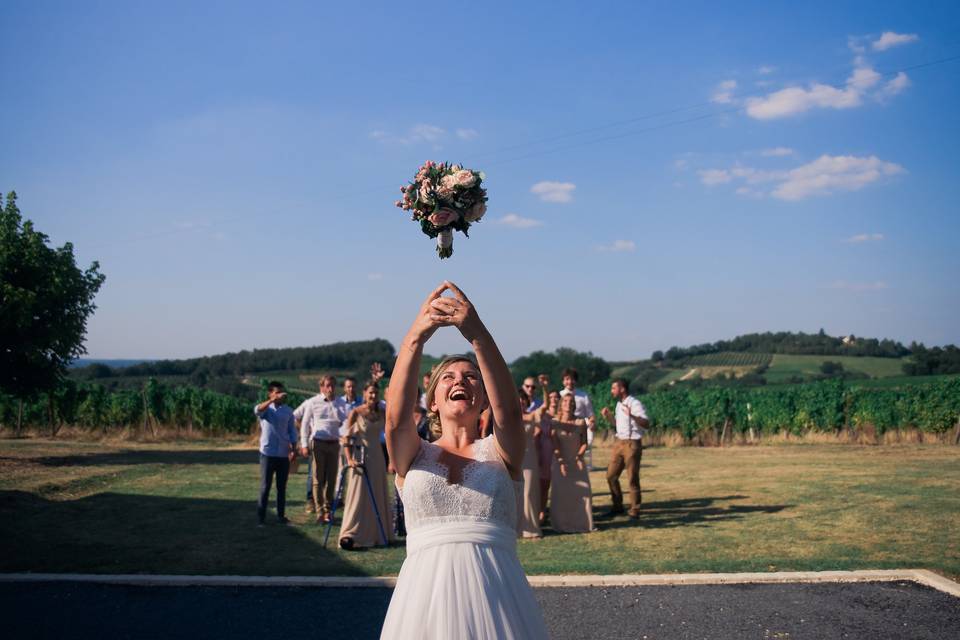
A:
(432, 417)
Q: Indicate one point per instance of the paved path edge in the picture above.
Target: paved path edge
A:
(922, 576)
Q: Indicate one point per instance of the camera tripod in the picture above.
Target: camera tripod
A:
(359, 451)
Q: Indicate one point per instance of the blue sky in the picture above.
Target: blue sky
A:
(657, 175)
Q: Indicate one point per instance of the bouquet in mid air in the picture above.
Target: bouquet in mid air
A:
(443, 197)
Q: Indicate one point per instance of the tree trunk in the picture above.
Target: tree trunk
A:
(956, 434)
(723, 434)
(19, 429)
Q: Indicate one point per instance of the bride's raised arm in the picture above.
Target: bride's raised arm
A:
(507, 416)
(403, 443)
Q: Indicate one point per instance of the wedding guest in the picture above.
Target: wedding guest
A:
(350, 397)
(320, 419)
(530, 388)
(528, 522)
(360, 528)
(423, 393)
(571, 504)
(570, 377)
(631, 421)
(461, 577)
(545, 448)
(278, 442)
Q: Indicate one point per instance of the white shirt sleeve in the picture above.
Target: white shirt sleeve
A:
(587, 407)
(306, 426)
(637, 410)
(299, 411)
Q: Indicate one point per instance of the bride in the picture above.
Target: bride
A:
(461, 577)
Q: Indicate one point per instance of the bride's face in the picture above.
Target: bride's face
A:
(459, 393)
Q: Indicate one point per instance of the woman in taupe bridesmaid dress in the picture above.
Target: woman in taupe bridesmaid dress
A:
(571, 504)
(360, 528)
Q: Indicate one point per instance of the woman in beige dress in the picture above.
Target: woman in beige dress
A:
(545, 451)
(571, 505)
(528, 520)
(359, 528)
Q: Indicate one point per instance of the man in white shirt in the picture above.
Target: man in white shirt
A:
(631, 421)
(320, 419)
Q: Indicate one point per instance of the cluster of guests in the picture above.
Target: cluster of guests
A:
(341, 437)
(334, 432)
(559, 428)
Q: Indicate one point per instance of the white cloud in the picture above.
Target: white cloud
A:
(824, 176)
(766, 70)
(711, 177)
(777, 152)
(723, 94)
(864, 237)
(426, 132)
(618, 246)
(792, 101)
(554, 191)
(855, 44)
(518, 222)
(890, 39)
(828, 174)
(895, 86)
(374, 276)
(420, 134)
(843, 285)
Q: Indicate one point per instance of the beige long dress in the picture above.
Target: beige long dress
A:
(571, 504)
(528, 516)
(359, 519)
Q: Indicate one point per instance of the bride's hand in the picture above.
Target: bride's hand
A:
(457, 311)
(426, 322)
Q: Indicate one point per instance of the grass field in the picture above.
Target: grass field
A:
(190, 508)
(785, 366)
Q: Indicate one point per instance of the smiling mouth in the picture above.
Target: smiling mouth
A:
(459, 394)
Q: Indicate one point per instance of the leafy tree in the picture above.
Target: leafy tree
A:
(45, 300)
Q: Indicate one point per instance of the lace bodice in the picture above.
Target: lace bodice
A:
(487, 493)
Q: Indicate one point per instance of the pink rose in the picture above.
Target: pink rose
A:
(464, 178)
(476, 212)
(442, 217)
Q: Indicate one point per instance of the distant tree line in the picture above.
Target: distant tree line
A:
(938, 360)
(788, 342)
(354, 356)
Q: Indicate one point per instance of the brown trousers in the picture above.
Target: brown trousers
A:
(626, 454)
(323, 475)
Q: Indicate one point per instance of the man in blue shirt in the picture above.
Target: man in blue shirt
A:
(278, 444)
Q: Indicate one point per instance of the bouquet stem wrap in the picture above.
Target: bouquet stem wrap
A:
(445, 243)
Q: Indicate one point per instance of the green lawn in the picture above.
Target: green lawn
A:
(190, 508)
(785, 366)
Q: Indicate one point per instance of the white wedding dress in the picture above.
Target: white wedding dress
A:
(461, 578)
